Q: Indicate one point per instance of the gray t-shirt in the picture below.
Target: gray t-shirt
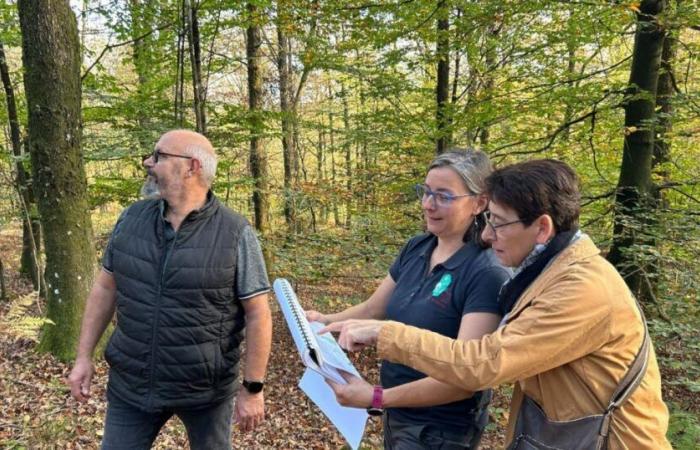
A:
(251, 274)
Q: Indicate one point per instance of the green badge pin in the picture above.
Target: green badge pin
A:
(442, 285)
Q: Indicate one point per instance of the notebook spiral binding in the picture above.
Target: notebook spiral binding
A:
(289, 294)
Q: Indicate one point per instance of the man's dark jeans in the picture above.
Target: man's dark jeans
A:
(127, 427)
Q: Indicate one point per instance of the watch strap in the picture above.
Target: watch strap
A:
(377, 397)
(376, 409)
(253, 387)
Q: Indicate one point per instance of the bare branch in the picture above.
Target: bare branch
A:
(121, 44)
(594, 198)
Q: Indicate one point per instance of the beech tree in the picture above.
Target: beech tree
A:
(635, 199)
(51, 56)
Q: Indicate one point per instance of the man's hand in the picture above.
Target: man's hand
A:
(80, 378)
(249, 411)
(355, 334)
(357, 393)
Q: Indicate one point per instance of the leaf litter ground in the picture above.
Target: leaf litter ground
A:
(38, 413)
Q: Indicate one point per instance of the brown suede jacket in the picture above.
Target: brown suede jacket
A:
(567, 342)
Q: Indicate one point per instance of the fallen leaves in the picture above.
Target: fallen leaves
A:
(36, 410)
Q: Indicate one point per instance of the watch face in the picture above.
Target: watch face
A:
(253, 386)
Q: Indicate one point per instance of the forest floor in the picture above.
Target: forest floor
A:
(37, 412)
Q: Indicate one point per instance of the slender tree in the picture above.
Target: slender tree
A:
(3, 289)
(141, 23)
(287, 111)
(179, 88)
(31, 235)
(664, 105)
(51, 56)
(348, 155)
(193, 39)
(442, 51)
(258, 155)
(634, 199)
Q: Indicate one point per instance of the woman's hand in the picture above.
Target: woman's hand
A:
(315, 316)
(357, 393)
(355, 334)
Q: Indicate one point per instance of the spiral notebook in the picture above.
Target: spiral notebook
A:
(323, 358)
(319, 352)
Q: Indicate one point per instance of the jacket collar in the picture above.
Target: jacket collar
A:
(582, 248)
(209, 208)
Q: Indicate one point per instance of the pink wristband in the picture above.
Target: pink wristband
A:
(377, 397)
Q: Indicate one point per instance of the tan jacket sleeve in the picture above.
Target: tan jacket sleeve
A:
(567, 320)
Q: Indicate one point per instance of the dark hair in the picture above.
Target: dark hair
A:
(472, 166)
(534, 188)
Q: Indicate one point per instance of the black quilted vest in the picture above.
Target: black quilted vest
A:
(179, 323)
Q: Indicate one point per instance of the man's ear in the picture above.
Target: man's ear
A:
(545, 229)
(195, 166)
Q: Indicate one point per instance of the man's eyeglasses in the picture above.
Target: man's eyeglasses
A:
(442, 199)
(495, 226)
(158, 153)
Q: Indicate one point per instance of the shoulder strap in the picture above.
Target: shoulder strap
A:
(636, 372)
(628, 384)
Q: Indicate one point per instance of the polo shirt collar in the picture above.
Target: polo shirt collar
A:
(467, 251)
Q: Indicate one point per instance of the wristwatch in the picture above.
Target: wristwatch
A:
(376, 408)
(253, 386)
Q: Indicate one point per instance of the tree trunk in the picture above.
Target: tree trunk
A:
(491, 39)
(196, 60)
(443, 78)
(664, 105)
(3, 289)
(634, 199)
(320, 174)
(334, 185)
(570, 74)
(458, 58)
(141, 21)
(348, 156)
(51, 56)
(29, 261)
(179, 93)
(287, 119)
(258, 155)
(648, 290)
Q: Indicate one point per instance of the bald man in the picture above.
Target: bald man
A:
(187, 280)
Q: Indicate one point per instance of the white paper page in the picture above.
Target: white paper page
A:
(333, 356)
(350, 422)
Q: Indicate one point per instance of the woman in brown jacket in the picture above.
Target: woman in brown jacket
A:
(572, 331)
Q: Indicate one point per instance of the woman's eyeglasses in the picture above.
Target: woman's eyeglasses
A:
(441, 199)
(495, 226)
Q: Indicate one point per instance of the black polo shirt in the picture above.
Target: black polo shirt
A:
(467, 282)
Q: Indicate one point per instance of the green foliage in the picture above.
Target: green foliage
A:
(684, 429)
(9, 24)
(19, 323)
